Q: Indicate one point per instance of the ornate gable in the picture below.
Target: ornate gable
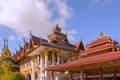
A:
(79, 45)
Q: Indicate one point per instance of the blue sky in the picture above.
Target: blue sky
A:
(91, 18)
(80, 18)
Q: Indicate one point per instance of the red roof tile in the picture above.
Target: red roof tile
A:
(79, 45)
(98, 41)
(37, 40)
(88, 60)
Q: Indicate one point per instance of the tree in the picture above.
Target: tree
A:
(7, 74)
(17, 76)
(4, 70)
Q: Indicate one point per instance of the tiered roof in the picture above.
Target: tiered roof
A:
(102, 44)
(57, 35)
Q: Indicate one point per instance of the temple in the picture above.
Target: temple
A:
(38, 54)
(58, 59)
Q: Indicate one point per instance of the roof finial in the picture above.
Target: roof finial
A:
(19, 45)
(15, 49)
(30, 32)
(4, 42)
(24, 40)
(56, 20)
(66, 33)
(81, 39)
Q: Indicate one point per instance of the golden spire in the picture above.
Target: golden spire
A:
(57, 20)
(5, 42)
(5, 50)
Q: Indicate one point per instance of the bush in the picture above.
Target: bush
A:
(17, 76)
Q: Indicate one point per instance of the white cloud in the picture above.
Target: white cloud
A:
(71, 34)
(35, 15)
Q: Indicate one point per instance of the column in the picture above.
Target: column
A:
(46, 57)
(81, 75)
(86, 77)
(46, 62)
(70, 56)
(58, 57)
(53, 57)
(101, 76)
(71, 75)
(41, 65)
(52, 78)
(33, 68)
(115, 75)
(58, 62)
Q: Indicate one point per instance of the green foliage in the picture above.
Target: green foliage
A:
(4, 71)
(17, 76)
(7, 74)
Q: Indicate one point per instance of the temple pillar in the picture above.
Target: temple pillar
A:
(52, 77)
(101, 76)
(86, 77)
(53, 57)
(46, 63)
(115, 74)
(81, 75)
(58, 57)
(41, 65)
(58, 62)
(71, 75)
(70, 56)
(33, 68)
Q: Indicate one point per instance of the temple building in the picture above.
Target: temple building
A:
(39, 54)
(100, 60)
(58, 59)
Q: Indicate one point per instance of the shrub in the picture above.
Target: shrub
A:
(17, 76)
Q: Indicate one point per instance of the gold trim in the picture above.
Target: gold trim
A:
(46, 51)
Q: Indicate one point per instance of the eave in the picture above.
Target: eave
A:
(40, 48)
(92, 63)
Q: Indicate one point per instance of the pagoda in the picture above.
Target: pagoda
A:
(7, 57)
